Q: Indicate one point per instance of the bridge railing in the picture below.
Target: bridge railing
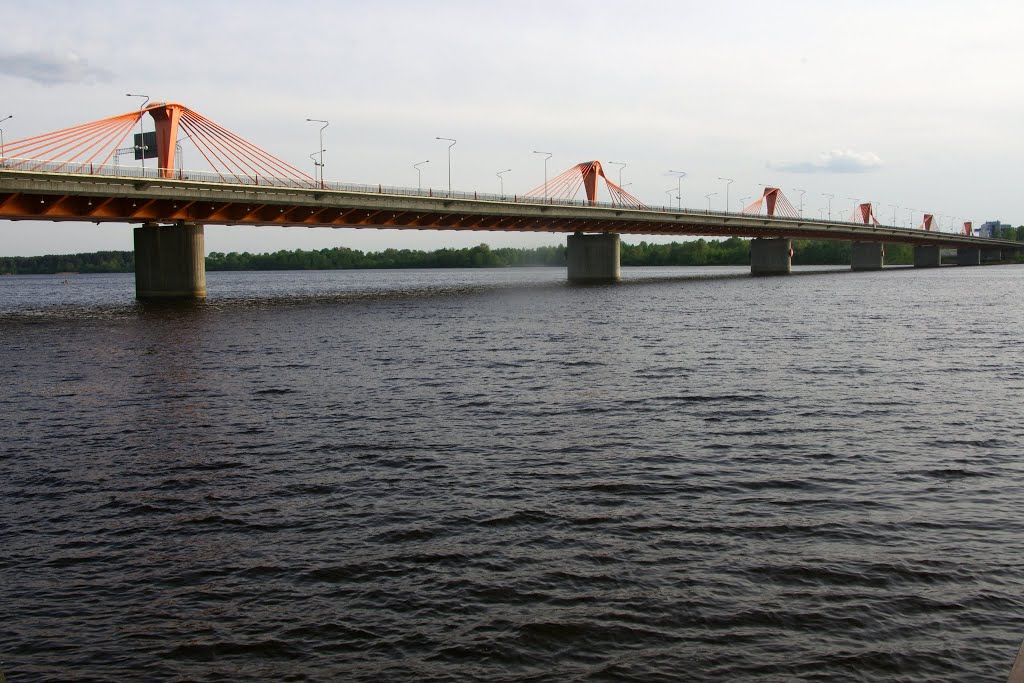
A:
(260, 180)
(117, 171)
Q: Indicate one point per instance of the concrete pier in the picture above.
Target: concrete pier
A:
(867, 255)
(927, 256)
(771, 256)
(170, 261)
(593, 258)
(991, 255)
(968, 256)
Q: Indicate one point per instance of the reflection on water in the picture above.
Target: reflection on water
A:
(437, 475)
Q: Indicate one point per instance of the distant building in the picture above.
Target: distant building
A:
(991, 229)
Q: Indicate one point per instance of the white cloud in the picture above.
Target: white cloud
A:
(50, 68)
(836, 161)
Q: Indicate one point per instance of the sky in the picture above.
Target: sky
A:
(915, 104)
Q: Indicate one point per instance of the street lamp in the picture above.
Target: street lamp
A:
(679, 186)
(549, 155)
(728, 182)
(669, 193)
(502, 180)
(419, 174)
(830, 196)
(142, 138)
(708, 197)
(621, 166)
(894, 208)
(9, 116)
(910, 217)
(743, 202)
(321, 147)
(453, 141)
(802, 193)
(821, 214)
(316, 164)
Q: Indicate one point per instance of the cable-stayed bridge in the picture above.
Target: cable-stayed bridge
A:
(75, 175)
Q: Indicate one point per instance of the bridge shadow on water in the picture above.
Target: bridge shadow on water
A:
(705, 277)
(224, 302)
(452, 290)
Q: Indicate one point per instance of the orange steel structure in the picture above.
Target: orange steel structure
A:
(66, 176)
(926, 224)
(566, 185)
(83, 148)
(864, 214)
(968, 228)
(774, 204)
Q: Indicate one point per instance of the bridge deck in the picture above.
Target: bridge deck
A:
(74, 197)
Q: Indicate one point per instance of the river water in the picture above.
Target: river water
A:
(694, 475)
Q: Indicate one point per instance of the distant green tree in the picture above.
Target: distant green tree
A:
(699, 252)
(899, 254)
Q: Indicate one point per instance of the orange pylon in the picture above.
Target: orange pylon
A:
(92, 145)
(566, 185)
(774, 202)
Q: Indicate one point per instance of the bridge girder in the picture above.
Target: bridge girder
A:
(69, 197)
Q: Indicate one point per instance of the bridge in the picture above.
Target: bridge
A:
(74, 175)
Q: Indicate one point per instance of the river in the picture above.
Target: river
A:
(694, 475)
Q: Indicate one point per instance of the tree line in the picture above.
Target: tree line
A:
(700, 252)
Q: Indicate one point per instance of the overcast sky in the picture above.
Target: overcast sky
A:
(916, 104)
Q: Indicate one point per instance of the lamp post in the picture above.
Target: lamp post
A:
(728, 182)
(549, 155)
(830, 196)
(669, 193)
(679, 186)
(9, 116)
(142, 138)
(321, 147)
(621, 166)
(502, 180)
(894, 208)
(453, 141)
(821, 214)
(910, 217)
(743, 201)
(419, 174)
(708, 197)
(179, 156)
(316, 164)
(802, 193)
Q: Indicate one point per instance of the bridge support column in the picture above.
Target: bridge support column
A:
(867, 255)
(927, 256)
(593, 258)
(968, 256)
(991, 255)
(771, 256)
(170, 261)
